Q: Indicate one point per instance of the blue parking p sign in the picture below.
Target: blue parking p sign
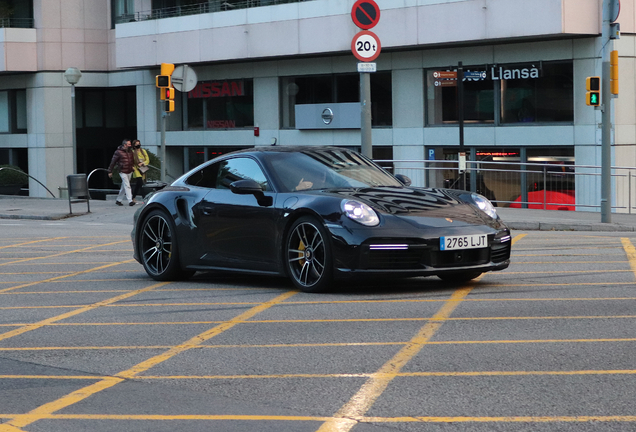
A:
(431, 154)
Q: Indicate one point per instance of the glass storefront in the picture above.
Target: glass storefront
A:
(224, 104)
(521, 93)
(340, 88)
(509, 176)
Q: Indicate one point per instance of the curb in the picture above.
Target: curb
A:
(551, 226)
(36, 217)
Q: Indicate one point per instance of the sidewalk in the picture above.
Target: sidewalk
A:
(16, 207)
(12, 207)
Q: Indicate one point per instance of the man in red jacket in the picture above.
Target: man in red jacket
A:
(125, 161)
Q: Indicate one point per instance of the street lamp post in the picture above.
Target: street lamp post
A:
(72, 76)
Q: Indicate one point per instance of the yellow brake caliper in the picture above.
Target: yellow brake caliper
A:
(301, 255)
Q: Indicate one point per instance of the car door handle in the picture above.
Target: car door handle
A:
(207, 210)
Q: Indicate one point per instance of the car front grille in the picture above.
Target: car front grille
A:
(394, 259)
(422, 254)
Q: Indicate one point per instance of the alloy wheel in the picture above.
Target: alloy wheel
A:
(156, 242)
(306, 254)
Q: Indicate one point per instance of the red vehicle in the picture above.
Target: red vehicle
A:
(556, 200)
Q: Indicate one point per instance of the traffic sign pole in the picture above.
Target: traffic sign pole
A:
(366, 47)
(606, 114)
(365, 113)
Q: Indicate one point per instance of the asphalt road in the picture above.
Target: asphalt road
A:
(89, 343)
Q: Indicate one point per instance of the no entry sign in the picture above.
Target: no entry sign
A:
(365, 14)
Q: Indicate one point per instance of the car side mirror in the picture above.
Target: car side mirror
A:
(250, 187)
(403, 179)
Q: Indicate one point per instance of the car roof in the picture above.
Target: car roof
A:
(289, 149)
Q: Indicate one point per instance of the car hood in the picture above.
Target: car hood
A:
(420, 206)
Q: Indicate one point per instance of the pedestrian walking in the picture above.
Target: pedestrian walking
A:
(142, 162)
(123, 158)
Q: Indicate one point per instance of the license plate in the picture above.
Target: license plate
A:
(473, 241)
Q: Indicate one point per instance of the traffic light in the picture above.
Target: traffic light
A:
(169, 98)
(163, 81)
(593, 95)
(614, 72)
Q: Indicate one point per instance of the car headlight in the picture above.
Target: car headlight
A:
(360, 212)
(484, 205)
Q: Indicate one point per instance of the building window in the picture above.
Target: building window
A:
(16, 13)
(121, 11)
(13, 112)
(547, 95)
(225, 104)
(540, 92)
(341, 88)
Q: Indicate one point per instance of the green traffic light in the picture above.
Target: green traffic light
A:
(594, 99)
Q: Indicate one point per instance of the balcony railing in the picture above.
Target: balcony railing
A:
(201, 8)
(16, 22)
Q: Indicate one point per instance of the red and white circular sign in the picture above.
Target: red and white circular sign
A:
(365, 14)
(365, 46)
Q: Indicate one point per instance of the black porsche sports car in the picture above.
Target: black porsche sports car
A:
(314, 214)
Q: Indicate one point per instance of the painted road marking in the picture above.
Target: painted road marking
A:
(63, 253)
(65, 276)
(81, 394)
(34, 326)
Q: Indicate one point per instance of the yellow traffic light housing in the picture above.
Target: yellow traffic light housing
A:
(163, 81)
(593, 95)
(614, 72)
(168, 94)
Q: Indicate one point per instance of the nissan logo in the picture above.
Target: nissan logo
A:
(327, 116)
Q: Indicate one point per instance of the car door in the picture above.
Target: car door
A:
(237, 232)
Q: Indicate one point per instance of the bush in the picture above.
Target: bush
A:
(12, 176)
(154, 174)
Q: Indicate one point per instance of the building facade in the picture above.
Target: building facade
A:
(268, 69)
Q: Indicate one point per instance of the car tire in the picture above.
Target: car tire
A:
(159, 249)
(307, 258)
(458, 277)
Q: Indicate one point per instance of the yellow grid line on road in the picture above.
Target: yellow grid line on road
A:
(493, 285)
(411, 419)
(470, 374)
(57, 278)
(21, 260)
(31, 242)
(375, 385)
(77, 311)
(516, 263)
(562, 272)
(81, 394)
(630, 251)
(517, 255)
(486, 300)
(332, 320)
(326, 344)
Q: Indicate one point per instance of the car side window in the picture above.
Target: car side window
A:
(204, 177)
(231, 170)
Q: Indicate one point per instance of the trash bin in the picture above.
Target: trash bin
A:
(77, 190)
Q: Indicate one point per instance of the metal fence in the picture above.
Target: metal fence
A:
(200, 8)
(550, 186)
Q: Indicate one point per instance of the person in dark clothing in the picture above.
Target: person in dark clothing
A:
(123, 158)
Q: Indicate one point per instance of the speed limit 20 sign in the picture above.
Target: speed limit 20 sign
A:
(365, 46)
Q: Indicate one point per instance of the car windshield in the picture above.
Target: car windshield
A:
(327, 169)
